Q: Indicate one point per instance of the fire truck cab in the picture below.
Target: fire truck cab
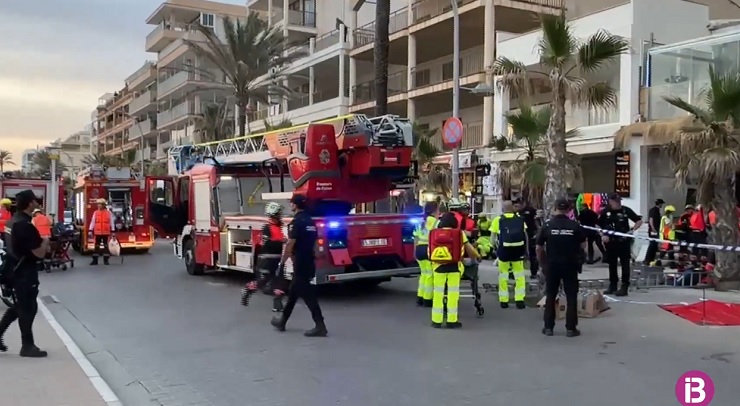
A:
(214, 201)
(126, 201)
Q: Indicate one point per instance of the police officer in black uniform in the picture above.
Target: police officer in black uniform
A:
(20, 274)
(301, 245)
(561, 248)
(529, 214)
(617, 218)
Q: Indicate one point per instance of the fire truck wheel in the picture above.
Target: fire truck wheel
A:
(189, 256)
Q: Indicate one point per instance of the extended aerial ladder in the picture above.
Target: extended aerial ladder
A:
(371, 152)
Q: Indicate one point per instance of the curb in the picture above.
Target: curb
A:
(109, 397)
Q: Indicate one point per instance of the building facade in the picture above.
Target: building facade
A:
(112, 123)
(320, 79)
(635, 21)
(72, 151)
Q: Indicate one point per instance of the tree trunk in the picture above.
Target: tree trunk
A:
(380, 54)
(555, 171)
(241, 117)
(725, 232)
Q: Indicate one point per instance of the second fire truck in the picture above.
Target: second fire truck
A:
(213, 203)
(126, 201)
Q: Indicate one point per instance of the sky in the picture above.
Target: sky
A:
(58, 57)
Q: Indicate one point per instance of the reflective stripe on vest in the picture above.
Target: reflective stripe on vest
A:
(515, 222)
(421, 233)
(42, 224)
(666, 227)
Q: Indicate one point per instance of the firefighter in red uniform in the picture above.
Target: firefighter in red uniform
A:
(101, 228)
(5, 215)
(270, 273)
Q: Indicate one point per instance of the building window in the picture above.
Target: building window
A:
(207, 20)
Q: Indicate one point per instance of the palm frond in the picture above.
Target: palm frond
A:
(558, 44)
(599, 95)
(699, 113)
(514, 76)
(599, 50)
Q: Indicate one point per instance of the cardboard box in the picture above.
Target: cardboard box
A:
(591, 303)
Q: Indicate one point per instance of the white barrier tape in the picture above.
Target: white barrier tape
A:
(658, 240)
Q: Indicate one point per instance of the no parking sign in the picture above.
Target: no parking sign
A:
(452, 132)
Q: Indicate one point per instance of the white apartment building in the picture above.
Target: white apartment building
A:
(171, 92)
(72, 151)
(645, 23)
(27, 163)
(320, 79)
(111, 124)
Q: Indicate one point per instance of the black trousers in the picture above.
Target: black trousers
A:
(101, 247)
(534, 265)
(652, 250)
(619, 251)
(24, 311)
(699, 237)
(594, 238)
(568, 276)
(301, 288)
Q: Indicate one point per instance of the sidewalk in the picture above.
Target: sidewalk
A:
(54, 381)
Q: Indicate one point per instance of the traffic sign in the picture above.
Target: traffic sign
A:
(452, 132)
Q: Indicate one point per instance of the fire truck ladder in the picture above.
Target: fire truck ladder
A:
(387, 131)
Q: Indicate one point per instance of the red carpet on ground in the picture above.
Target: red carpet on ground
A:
(710, 313)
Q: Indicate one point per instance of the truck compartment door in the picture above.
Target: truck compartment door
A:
(161, 211)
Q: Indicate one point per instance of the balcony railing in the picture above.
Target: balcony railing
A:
(427, 9)
(165, 26)
(148, 65)
(436, 72)
(556, 4)
(327, 40)
(139, 129)
(578, 117)
(366, 34)
(181, 110)
(365, 92)
(295, 17)
(142, 101)
(174, 81)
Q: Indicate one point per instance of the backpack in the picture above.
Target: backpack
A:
(511, 229)
(445, 246)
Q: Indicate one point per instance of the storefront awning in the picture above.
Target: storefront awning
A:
(465, 159)
(656, 132)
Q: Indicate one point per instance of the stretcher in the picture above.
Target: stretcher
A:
(470, 274)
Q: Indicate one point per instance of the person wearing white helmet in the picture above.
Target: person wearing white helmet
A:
(269, 269)
(100, 229)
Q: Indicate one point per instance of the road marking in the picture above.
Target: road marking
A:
(109, 397)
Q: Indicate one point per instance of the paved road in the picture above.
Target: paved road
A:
(187, 341)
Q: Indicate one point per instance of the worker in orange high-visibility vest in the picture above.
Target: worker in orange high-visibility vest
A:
(5, 215)
(42, 222)
(101, 228)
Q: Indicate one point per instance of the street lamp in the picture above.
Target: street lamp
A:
(455, 94)
(53, 204)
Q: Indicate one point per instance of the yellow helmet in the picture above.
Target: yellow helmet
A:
(6, 202)
(669, 209)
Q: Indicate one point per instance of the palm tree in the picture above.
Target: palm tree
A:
(566, 62)
(213, 123)
(96, 159)
(434, 177)
(42, 164)
(380, 55)
(252, 52)
(706, 146)
(6, 158)
(527, 171)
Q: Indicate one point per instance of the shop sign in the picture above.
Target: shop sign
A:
(622, 174)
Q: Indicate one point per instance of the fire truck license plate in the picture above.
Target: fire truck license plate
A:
(375, 242)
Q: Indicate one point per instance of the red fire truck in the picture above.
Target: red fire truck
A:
(126, 201)
(41, 187)
(213, 204)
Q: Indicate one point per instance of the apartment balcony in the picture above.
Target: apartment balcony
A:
(143, 128)
(303, 108)
(143, 76)
(173, 82)
(163, 35)
(174, 115)
(365, 35)
(143, 102)
(425, 10)
(364, 93)
(177, 49)
(436, 76)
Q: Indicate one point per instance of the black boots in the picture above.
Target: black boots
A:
(94, 261)
(504, 305)
(573, 333)
(520, 305)
(428, 303)
(3, 347)
(419, 301)
(548, 332)
(32, 351)
(106, 260)
(623, 290)
(612, 289)
(318, 331)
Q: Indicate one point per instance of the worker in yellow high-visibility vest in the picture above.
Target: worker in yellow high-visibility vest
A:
(421, 245)
(510, 234)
